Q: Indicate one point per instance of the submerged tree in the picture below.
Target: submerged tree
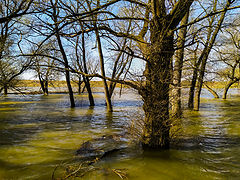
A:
(177, 71)
(82, 63)
(155, 92)
(155, 40)
(229, 56)
(152, 29)
(8, 77)
(207, 49)
(46, 68)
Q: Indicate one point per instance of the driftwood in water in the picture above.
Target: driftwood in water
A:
(99, 148)
(94, 150)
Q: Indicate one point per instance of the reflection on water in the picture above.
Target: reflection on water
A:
(38, 132)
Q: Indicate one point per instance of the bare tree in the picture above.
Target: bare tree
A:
(215, 24)
(11, 32)
(15, 9)
(157, 21)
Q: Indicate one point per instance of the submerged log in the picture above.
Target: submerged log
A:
(101, 147)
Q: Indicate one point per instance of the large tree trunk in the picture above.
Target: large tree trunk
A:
(203, 57)
(44, 86)
(199, 85)
(70, 91)
(192, 90)
(156, 91)
(177, 73)
(64, 56)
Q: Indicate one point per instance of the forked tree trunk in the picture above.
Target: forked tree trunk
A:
(203, 57)
(232, 81)
(199, 85)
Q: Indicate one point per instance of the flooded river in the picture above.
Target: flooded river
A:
(37, 133)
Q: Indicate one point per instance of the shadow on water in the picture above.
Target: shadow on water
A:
(38, 132)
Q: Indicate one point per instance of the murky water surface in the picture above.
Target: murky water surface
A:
(37, 133)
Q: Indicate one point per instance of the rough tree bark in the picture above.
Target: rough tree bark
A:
(155, 93)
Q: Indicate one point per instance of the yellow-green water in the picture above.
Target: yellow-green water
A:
(37, 133)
